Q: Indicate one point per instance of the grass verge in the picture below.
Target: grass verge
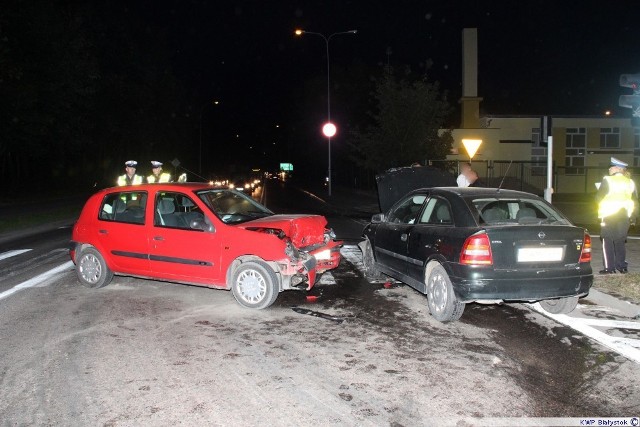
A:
(624, 286)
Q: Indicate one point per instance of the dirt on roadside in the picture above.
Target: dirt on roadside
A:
(623, 286)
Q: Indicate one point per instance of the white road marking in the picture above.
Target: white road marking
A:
(628, 347)
(9, 254)
(617, 324)
(353, 254)
(34, 281)
(326, 279)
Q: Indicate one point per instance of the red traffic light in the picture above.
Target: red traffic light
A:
(329, 129)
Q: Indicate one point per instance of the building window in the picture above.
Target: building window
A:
(575, 151)
(609, 137)
(538, 154)
(536, 137)
(636, 147)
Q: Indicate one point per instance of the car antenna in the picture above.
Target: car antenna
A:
(504, 176)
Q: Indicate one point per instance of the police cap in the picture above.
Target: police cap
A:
(618, 163)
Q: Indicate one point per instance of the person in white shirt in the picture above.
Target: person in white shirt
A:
(463, 178)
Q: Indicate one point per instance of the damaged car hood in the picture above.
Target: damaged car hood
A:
(303, 230)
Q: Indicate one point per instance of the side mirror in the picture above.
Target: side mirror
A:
(200, 224)
(377, 218)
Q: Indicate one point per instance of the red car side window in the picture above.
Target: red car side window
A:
(128, 207)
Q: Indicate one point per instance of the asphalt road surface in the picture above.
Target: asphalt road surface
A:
(143, 352)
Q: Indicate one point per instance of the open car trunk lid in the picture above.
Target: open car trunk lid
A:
(395, 183)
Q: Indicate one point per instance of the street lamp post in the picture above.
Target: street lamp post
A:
(328, 124)
(200, 151)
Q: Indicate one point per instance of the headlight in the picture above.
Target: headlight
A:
(323, 255)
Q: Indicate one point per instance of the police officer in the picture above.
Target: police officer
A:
(617, 200)
(158, 175)
(130, 177)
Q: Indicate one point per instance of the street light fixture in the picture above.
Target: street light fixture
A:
(327, 134)
(214, 102)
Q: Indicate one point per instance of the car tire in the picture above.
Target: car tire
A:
(443, 303)
(92, 270)
(371, 271)
(560, 305)
(255, 285)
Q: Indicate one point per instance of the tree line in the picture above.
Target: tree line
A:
(85, 84)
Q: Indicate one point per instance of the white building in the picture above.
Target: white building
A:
(515, 146)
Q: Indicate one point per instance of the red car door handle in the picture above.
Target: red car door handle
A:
(103, 232)
(158, 238)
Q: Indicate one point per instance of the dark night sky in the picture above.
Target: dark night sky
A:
(534, 56)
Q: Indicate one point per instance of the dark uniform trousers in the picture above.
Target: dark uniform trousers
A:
(614, 236)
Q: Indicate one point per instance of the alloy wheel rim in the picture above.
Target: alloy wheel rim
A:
(90, 268)
(438, 293)
(252, 286)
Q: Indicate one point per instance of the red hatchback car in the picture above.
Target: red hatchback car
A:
(201, 235)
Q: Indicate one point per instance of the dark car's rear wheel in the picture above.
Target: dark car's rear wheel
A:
(560, 305)
(369, 262)
(255, 285)
(443, 303)
(92, 269)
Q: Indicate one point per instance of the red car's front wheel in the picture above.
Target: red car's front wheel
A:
(255, 285)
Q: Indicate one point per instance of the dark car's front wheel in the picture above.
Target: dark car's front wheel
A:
(560, 305)
(255, 285)
(443, 303)
(92, 269)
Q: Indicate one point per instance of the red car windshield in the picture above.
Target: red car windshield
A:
(233, 207)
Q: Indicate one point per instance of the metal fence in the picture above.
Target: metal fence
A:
(530, 176)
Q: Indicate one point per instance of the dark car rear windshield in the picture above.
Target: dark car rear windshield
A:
(493, 210)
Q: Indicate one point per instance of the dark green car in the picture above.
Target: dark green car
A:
(488, 245)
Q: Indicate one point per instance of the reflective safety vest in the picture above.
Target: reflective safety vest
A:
(164, 177)
(125, 180)
(620, 196)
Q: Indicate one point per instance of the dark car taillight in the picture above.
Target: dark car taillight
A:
(585, 255)
(476, 250)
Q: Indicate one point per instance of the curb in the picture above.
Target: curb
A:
(627, 308)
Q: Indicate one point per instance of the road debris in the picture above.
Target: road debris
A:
(318, 314)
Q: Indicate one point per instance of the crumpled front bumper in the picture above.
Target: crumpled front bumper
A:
(327, 257)
(305, 269)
